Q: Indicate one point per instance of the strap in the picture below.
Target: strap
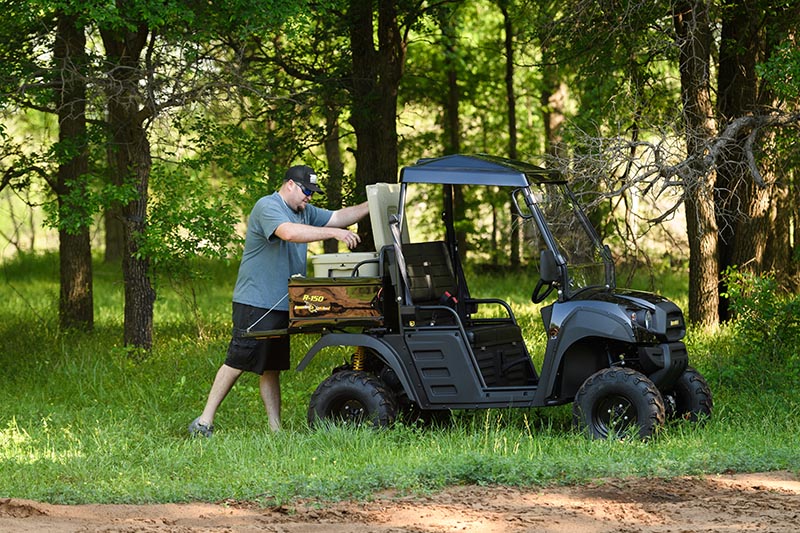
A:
(268, 312)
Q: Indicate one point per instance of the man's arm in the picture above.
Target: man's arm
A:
(347, 216)
(293, 232)
(334, 229)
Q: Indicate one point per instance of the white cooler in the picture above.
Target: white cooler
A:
(342, 265)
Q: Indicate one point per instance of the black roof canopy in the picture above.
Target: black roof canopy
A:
(477, 169)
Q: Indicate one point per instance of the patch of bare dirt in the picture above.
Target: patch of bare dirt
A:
(767, 502)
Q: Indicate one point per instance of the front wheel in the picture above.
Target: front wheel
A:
(352, 397)
(615, 401)
(690, 398)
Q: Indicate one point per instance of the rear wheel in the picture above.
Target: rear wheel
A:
(690, 398)
(352, 397)
(616, 401)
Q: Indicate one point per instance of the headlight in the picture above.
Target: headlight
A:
(642, 318)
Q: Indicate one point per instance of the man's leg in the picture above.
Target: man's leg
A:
(270, 386)
(223, 382)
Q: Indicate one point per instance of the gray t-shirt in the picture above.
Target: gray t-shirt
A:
(267, 261)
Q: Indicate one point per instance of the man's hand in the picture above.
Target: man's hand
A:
(349, 238)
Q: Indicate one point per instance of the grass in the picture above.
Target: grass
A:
(83, 422)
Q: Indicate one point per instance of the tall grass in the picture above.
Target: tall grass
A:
(83, 422)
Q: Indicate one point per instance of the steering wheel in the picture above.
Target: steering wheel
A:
(536, 297)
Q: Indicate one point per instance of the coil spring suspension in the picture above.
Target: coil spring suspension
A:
(358, 358)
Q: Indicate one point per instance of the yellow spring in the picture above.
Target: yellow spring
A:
(358, 358)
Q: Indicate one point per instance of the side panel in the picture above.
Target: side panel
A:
(435, 367)
(445, 366)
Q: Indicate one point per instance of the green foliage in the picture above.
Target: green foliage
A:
(242, 156)
(782, 70)
(189, 219)
(467, 38)
(766, 329)
(618, 59)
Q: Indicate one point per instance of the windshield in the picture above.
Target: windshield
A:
(573, 236)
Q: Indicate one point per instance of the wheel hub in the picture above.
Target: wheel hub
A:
(614, 412)
(351, 411)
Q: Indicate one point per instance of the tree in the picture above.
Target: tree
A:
(752, 209)
(124, 41)
(333, 154)
(693, 31)
(447, 20)
(376, 74)
(58, 89)
(76, 304)
(511, 102)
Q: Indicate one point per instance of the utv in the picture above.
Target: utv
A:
(422, 346)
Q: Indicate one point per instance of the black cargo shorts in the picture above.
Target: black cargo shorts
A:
(258, 355)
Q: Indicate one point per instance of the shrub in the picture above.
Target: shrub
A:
(766, 326)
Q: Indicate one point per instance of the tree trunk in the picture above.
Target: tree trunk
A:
(778, 254)
(452, 118)
(114, 235)
(787, 249)
(737, 90)
(376, 78)
(511, 102)
(781, 25)
(112, 217)
(76, 304)
(134, 149)
(132, 163)
(333, 191)
(753, 228)
(552, 99)
(693, 31)
(76, 300)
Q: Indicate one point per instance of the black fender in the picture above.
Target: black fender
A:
(576, 323)
(384, 351)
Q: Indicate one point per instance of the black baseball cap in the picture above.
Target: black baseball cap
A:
(305, 176)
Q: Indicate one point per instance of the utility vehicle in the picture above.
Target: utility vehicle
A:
(422, 346)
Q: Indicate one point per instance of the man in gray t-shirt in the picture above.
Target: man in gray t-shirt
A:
(278, 231)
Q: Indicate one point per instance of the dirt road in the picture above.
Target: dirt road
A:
(768, 502)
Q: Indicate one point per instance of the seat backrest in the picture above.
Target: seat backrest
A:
(430, 271)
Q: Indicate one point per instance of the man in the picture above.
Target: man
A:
(278, 230)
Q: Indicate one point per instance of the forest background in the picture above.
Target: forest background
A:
(136, 136)
(145, 130)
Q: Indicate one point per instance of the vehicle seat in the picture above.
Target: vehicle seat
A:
(430, 272)
(383, 200)
(502, 356)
